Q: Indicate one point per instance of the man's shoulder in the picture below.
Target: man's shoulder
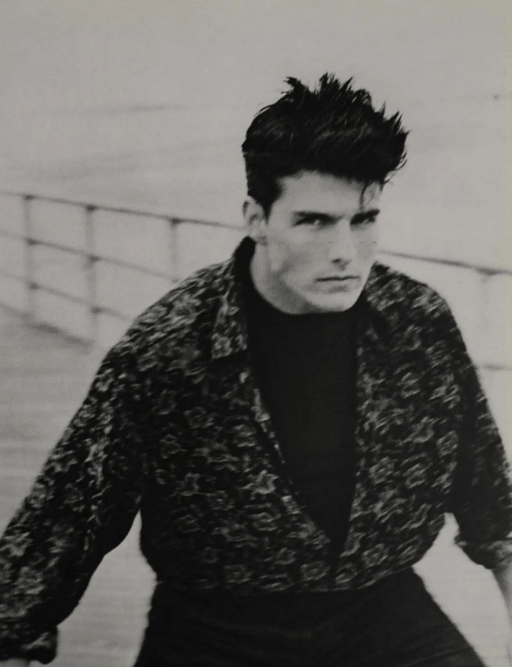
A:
(397, 293)
(185, 312)
(417, 315)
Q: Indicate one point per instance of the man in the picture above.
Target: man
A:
(292, 425)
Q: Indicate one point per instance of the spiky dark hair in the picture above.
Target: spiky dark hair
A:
(332, 129)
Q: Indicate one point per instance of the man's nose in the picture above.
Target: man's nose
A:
(341, 243)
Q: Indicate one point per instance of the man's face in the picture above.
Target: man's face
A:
(315, 249)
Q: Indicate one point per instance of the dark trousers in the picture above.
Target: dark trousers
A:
(394, 623)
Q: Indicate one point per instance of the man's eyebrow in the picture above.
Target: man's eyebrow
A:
(361, 215)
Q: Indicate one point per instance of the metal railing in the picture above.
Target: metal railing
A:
(92, 257)
(89, 253)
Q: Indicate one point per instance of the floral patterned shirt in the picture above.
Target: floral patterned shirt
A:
(174, 427)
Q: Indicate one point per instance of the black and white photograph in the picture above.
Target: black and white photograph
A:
(255, 348)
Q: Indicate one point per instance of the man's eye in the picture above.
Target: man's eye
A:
(312, 221)
(365, 221)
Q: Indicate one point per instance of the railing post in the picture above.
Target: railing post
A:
(173, 248)
(28, 238)
(484, 315)
(91, 277)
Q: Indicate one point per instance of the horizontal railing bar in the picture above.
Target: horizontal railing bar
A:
(57, 292)
(119, 209)
(11, 235)
(487, 270)
(107, 310)
(481, 268)
(100, 258)
(56, 246)
(79, 300)
(29, 240)
(495, 367)
(128, 265)
(11, 275)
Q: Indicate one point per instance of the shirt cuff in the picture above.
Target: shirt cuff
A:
(43, 649)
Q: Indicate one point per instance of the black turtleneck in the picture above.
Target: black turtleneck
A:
(305, 366)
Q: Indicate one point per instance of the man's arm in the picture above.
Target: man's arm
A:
(481, 498)
(80, 507)
(503, 575)
(15, 662)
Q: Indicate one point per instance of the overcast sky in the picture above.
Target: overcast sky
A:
(74, 54)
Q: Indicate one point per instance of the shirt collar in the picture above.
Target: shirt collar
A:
(380, 294)
(229, 335)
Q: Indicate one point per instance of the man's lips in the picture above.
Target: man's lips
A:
(338, 278)
(339, 283)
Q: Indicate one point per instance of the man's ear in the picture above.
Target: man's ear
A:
(255, 220)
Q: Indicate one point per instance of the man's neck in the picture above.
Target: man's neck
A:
(260, 273)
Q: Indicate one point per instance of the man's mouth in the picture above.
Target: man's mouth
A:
(338, 278)
(339, 283)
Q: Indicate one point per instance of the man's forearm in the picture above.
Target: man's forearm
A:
(503, 575)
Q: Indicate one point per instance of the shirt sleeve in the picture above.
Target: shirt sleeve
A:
(81, 506)
(481, 499)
